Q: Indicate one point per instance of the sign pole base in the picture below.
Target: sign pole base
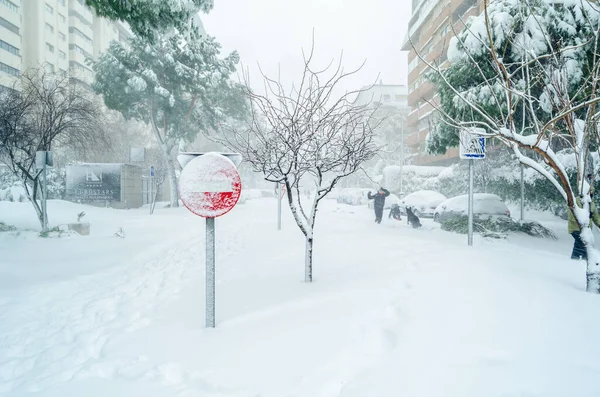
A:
(210, 272)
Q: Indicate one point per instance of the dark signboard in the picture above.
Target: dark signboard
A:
(94, 182)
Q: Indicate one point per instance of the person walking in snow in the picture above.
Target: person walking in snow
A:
(379, 202)
(579, 251)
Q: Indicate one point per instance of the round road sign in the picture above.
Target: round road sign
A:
(210, 185)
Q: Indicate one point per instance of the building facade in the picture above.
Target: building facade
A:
(58, 35)
(430, 29)
(392, 103)
(384, 95)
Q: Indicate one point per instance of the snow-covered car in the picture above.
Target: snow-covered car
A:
(389, 201)
(423, 203)
(353, 196)
(484, 205)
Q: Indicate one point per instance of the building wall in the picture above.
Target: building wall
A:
(431, 27)
(11, 50)
(384, 94)
(58, 35)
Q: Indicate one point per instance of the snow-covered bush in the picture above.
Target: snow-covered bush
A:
(501, 175)
(494, 227)
(6, 228)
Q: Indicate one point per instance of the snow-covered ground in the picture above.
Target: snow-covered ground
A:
(392, 312)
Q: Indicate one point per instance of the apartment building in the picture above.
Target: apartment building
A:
(58, 35)
(429, 32)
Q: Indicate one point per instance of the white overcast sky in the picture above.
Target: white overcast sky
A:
(273, 33)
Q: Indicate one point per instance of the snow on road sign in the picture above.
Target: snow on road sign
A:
(210, 185)
(472, 144)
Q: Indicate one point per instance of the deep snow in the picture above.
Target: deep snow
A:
(393, 311)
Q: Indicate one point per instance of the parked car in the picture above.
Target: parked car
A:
(484, 205)
(353, 196)
(423, 202)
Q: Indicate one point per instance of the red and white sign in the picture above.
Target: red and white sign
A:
(210, 185)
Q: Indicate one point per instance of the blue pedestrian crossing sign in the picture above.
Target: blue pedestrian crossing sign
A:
(472, 144)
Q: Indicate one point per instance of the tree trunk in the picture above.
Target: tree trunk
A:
(170, 165)
(593, 276)
(593, 262)
(33, 200)
(308, 260)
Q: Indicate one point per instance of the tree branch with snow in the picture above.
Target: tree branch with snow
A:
(526, 74)
(309, 135)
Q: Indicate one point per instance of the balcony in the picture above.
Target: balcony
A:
(76, 6)
(10, 16)
(78, 57)
(462, 9)
(79, 41)
(415, 139)
(84, 28)
(424, 91)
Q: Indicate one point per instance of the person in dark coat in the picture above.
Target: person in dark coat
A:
(379, 202)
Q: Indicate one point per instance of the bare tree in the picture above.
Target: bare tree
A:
(533, 90)
(40, 111)
(306, 135)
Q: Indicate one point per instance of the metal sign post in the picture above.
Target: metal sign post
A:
(470, 238)
(472, 147)
(210, 186)
(151, 190)
(210, 272)
(278, 206)
(43, 160)
(45, 198)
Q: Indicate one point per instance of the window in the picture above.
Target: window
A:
(49, 28)
(445, 30)
(49, 47)
(49, 9)
(62, 36)
(80, 34)
(10, 5)
(413, 64)
(61, 2)
(80, 17)
(9, 69)
(399, 98)
(386, 98)
(12, 49)
(62, 18)
(62, 55)
(82, 2)
(13, 28)
(63, 73)
(77, 66)
(76, 48)
(49, 68)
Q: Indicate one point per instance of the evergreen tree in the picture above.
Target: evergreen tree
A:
(178, 85)
(148, 17)
(522, 31)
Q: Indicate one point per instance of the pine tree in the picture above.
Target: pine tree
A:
(149, 17)
(178, 85)
(521, 31)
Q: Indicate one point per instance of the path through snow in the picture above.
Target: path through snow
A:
(393, 311)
